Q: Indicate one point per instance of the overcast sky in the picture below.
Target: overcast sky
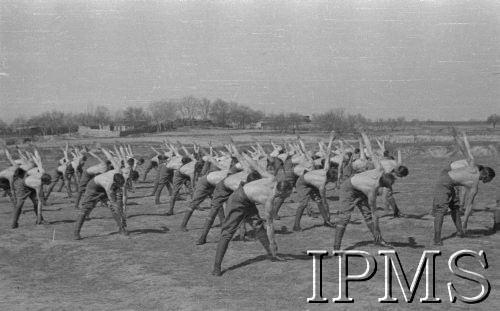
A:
(419, 59)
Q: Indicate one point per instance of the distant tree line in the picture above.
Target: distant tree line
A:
(163, 114)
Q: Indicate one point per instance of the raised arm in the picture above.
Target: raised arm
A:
(470, 157)
(255, 166)
(9, 157)
(374, 157)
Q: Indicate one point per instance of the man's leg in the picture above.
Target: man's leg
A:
(303, 192)
(455, 216)
(17, 212)
(150, 166)
(178, 182)
(87, 207)
(55, 179)
(303, 203)
(157, 180)
(220, 195)
(278, 201)
(347, 201)
(203, 191)
(231, 224)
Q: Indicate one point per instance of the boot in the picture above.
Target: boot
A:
(298, 217)
(209, 221)
(172, 204)
(187, 215)
(496, 219)
(339, 234)
(219, 255)
(455, 216)
(78, 226)
(155, 187)
(438, 225)
(15, 219)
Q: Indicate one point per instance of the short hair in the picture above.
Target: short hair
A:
(109, 165)
(46, 179)
(4, 183)
(118, 180)
(386, 180)
(234, 161)
(134, 175)
(140, 161)
(19, 173)
(332, 173)
(356, 150)
(131, 162)
(186, 160)
(284, 186)
(487, 172)
(254, 175)
(401, 171)
(84, 158)
(198, 166)
(161, 157)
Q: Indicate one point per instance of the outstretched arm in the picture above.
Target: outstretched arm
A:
(470, 157)
(255, 166)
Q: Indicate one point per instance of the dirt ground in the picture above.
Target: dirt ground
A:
(158, 267)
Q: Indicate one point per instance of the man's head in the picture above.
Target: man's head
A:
(401, 171)
(254, 175)
(161, 158)
(386, 180)
(118, 180)
(109, 165)
(186, 160)
(4, 183)
(140, 161)
(332, 173)
(486, 174)
(46, 179)
(134, 175)
(284, 189)
(19, 173)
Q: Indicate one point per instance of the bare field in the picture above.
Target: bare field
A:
(158, 267)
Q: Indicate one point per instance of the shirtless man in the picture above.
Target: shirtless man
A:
(226, 187)
(312, 185)
(361, 191)
(107, 186)
(61, 172)
(88, 174)
(445, 196)
(241, 207)
(153, 163)
(205, 186)
(29, 185)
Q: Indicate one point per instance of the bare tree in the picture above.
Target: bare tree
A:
(189, 107)
(205, 106)
(219, 112)
(493, 119)
(162, 112)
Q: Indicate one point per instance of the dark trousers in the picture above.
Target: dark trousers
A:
(239, 209)
(178, 181)
(220, 195)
